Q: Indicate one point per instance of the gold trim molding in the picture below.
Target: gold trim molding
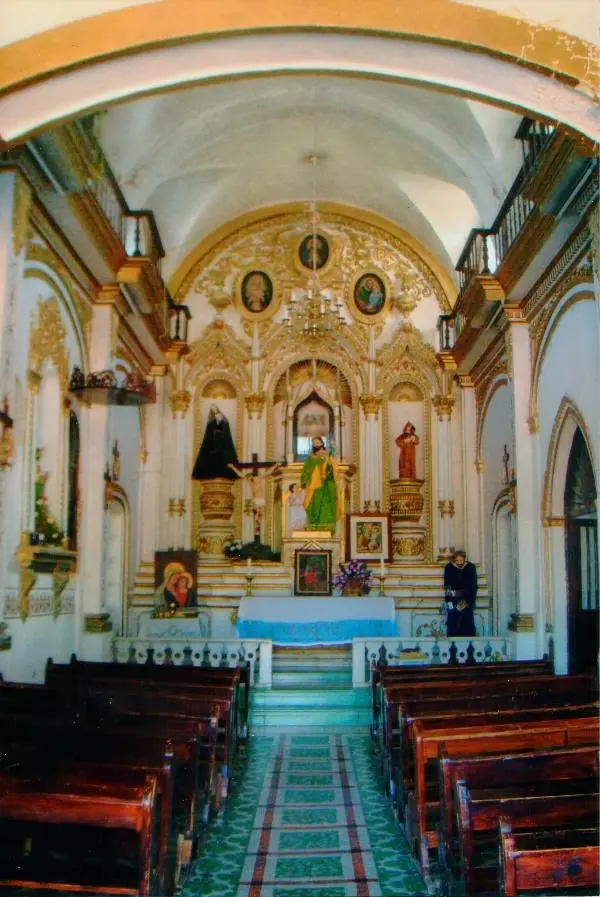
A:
(557, 522)
(20, 217)
(94, 624)
(255, 402)
(371, 403)
(521, 623)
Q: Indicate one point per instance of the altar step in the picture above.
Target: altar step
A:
(311, 687)
(308, 706)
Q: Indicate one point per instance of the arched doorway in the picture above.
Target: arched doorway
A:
(581, 548)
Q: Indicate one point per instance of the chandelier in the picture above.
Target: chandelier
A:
(315, 312)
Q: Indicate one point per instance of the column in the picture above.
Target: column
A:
(371, 467)
(94, 642)
(254, 404)
(152, 533)
(471, 484)
(15, 204)
(443, 405)
(528, 515)
(180, 400)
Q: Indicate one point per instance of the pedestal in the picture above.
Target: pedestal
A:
(406, 511)
(216, 529)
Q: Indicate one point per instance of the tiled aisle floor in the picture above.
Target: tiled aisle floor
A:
(307, 818)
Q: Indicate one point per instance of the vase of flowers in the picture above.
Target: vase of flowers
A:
(233, 550)
(353, 578)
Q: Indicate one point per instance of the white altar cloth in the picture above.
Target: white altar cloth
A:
(316, 621)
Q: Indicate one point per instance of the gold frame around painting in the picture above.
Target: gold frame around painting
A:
(358, 547)
(238, 297)
(305, 558)
(355, 311)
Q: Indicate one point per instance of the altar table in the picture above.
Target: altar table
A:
(316, 621)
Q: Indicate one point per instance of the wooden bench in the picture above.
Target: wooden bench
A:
(479, 735)
(564, 858)
(450, 698)
(383, 677)
(64, 833)
(496, 770)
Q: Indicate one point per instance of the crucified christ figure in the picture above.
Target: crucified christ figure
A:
(251, 473)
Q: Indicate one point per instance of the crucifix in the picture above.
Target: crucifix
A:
(251, 470)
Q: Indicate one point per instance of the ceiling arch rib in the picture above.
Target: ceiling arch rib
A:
(472, 74)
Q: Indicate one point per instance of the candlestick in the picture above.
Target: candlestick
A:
(381, 567)
(248, 562)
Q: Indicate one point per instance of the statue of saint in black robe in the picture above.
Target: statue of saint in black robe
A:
(217, 450)
(460, 587)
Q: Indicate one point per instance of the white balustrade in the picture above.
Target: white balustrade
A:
(406, 651)
(199, 652)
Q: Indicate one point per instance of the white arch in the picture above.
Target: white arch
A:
(69, 94)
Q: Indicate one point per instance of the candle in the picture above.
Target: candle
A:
(381, 568)
(248, 563)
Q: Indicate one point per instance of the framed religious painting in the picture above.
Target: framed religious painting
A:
(175, 581)
(369, 537)
(256, 294)
(369, 296)
(314, 252)
(312, 572)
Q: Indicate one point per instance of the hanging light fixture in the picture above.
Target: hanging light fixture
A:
(315, 313)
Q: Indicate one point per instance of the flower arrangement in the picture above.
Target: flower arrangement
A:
(353, 577)
(233, 550)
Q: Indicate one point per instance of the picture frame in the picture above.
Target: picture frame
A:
(257, 294)
(369, 537)
(368, 296)
(322, 251)
(312, 572)
(175, 581)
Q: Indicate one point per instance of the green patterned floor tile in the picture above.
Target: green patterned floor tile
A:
(322, 781)
(309, 867)
(322, 839)
(309, 765)
(331, 891)
(307, 796)
(309, 817)
(309, 739)
(309, 752)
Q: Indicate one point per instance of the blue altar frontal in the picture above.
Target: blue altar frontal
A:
(316, 621)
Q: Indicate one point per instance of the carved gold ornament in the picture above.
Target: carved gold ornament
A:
(443, 405)
(180, 400)
(406, 501)
(371, 403)
(47, 341)
(408, 546)
(216, 500)
(446, 507)
(255, 402)
(20, 217)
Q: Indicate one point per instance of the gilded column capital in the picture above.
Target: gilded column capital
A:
(180, 400)
(34, 381)
(554, 522)
(466, 381)
(479, 465)
(371, 403)
(255, 402)
(513, 313)
(159, 370)
(443, 405)
(446, 507)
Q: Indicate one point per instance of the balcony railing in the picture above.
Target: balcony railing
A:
(478, 256)
(141, 238)
(511, 219)
(535, 137)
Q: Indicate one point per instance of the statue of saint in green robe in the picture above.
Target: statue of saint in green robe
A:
(320, 480)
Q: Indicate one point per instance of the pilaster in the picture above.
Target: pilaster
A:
(91, 584)
(443, 405)
(527, 517)
(471, 480)
(371, 468)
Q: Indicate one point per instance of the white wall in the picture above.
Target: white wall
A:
(497, 432)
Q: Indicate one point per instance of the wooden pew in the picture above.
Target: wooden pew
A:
(383, 677)
(61, 811)
(496, 770)
(402, 705)
(105, 754)
(565, 858)
(237, 677)
(477, 734)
